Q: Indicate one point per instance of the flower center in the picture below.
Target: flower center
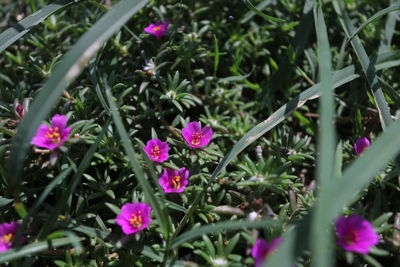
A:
(157, 28)
(136, 221)
(176, 182)
(54, 135)
(196, 139)
(350, 237)
(7, 238)
(155, 152)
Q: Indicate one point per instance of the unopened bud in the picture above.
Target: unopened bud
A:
(21, 109)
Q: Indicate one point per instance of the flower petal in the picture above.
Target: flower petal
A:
(59, 121)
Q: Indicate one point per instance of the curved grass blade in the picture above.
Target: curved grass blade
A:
(260, 13)
(66, 71)
(158, 207)
(221, 226)
(36, 247)
(321, 239)
(375, 17)
(361, 172)
(390, 28)
(366, 64)
(12, 34)
(250, 14)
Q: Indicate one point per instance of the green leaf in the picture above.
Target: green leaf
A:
(9, 36)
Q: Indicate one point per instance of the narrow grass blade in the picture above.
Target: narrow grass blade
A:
(221, 226)
(321, 236)
(250, 14)
(375, 17)
(157, 206)
(260, 13)
(66, 71)
(17, 253)
(9, 36)
(391, 92)
(367, 65)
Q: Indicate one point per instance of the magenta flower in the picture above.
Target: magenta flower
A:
(261, 249)
(134, 217)
(156, 150)
(173, 181)
(7, 233)
(361, 144)
(53, 136)
(356, 234)
(158, 29)
(196, 136)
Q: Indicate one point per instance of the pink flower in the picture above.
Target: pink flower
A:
(53, 136)
(156, 150)
(173, 181)
(134, 217)
(361, 144)
(261, 249)
(356, 234)
(7, 233)
(158, 29)
(196, 136)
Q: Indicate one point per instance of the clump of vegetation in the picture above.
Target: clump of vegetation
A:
(194, 133)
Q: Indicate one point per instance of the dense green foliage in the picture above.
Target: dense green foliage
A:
(223, 65)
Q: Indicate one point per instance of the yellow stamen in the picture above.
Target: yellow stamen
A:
(54, 135)
(7, 238)
(176, 182)
(136, 221)
(157, 28)
(196, 139)
(155, 152)
(350, 237)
